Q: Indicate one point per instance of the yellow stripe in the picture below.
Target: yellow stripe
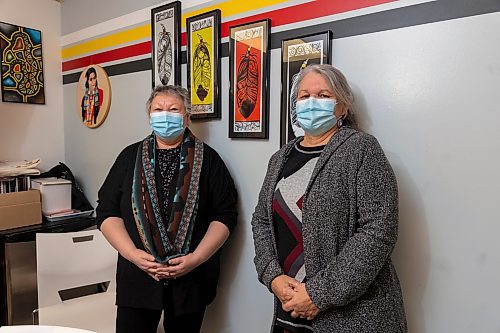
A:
(233, 7)
(228, 8)
(124, 36)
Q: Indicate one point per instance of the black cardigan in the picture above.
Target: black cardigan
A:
(217, 202)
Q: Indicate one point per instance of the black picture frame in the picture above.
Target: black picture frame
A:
(21, 70)
(249, 80)
(203, 64)
(297, 53)
(166, 44)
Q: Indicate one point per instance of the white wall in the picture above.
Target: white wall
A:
(242, 304)
(428, 93)
(90, 154)
(29, 131)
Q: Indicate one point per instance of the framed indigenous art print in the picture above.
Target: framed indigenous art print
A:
(22, 66)
(203, 68)
(297, 53)
(93, 96)
(165, 43)
(249, 80)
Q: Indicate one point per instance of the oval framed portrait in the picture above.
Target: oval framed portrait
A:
(93, 96)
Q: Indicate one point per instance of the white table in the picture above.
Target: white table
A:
(41, 329)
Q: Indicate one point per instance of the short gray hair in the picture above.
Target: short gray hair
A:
(170, 90)
(338, 83)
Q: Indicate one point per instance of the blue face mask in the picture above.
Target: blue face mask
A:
(316, 115)
(167, 125)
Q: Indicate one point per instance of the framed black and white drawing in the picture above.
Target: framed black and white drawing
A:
(165, 43)
(297, 53)
(249, 80)
(203, 64)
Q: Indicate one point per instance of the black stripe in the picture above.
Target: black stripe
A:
(112, 70)
(71, 78)
(441, 10)
(430, 12)
(130, 67)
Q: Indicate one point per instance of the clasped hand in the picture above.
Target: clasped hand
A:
(175, 268)
(294, 297)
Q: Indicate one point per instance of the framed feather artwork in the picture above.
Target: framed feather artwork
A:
(165, 43)
(249, 80)
(297, 53)
(203, 65)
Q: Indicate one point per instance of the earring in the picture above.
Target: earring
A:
(340, 122)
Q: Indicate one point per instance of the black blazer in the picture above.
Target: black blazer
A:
(217, 202)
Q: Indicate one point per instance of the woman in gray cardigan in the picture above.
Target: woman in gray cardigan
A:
(327, 218)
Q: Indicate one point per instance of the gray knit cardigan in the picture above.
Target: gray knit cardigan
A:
(349, 228)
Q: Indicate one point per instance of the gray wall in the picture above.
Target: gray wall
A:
(428, 93)
(30, 131)
(73, 19)
(76, 14)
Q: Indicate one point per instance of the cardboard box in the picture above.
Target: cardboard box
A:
(19, 209)
(56, 194)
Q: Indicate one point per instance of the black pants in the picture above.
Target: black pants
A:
(133, 320)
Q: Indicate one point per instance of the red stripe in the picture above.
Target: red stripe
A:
(292, 257)
(303, 12)
(296, 232)
(298, 13)
(183, 38)
(278, 17)
(116, 54)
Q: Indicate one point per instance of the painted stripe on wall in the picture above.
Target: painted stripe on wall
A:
(304, 12)
(121, 53)
(118, 38)
(430, 12)
(126, 21)
(278, 17)
(129, 34)
(282, 16)
(234, 8)
(115, 62)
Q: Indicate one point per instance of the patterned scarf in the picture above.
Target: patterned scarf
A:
(167, 239)
(86, 97)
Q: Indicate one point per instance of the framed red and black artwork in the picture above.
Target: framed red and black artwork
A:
(249, 80)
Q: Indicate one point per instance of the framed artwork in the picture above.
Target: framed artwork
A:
(22, 65)
(165, 40)
(297, 53)
(249, 80)
(203, 65)
(93, 96)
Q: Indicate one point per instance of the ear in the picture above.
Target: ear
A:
(341, 110)
(188, 119)
(345, 113)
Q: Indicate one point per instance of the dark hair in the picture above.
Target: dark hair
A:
(340, 87)
(89, 71)
(87, 75)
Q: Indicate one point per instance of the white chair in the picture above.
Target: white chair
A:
(40, 329)
(67, 262)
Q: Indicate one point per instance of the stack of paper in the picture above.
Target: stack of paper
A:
(16, 168)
